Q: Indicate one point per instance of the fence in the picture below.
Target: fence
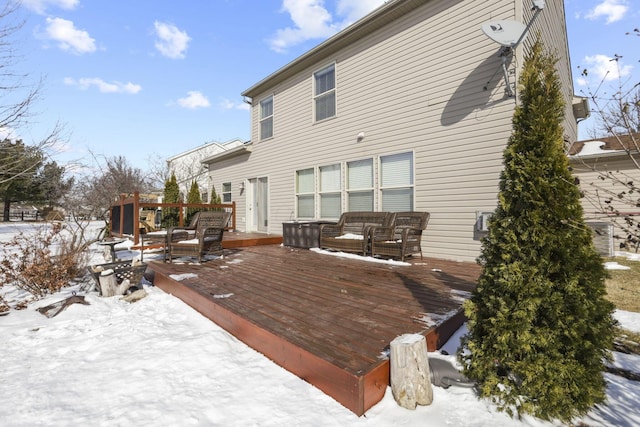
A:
(29, 216)
(26, 216)
(125, 214)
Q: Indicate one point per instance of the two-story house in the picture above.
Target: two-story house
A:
(188, 167)
(409, 108)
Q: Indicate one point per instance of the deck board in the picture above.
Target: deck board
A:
(325, 318)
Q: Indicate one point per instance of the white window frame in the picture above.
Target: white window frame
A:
(330, 188)
(267, 119)
(364, 189)
(226, 192)
(305, 194)
(398, 180)
(329, 92)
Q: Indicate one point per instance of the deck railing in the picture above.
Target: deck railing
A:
(125, 214)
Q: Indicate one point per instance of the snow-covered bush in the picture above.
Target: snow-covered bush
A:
(43, 260)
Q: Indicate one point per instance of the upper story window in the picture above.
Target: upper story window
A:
(324, 92)
(266, 118)
(226, 192)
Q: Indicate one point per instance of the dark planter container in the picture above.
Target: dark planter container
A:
(303, 234)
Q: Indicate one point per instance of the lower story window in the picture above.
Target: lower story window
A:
(330, 192)
(305, 193)
(226, 192)
(396, 178)
(360, 185)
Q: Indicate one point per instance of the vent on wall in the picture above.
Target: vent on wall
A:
(482, 220)
(602, 237)
(581, 110)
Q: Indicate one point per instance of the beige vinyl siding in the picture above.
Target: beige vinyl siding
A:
(413, 85)
(556, 41)
(400, 104)
(583, 168)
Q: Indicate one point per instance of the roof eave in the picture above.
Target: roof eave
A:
(381, 16)
(616, 153)
(241, 149)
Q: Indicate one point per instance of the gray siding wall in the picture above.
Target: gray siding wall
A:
(416, 85)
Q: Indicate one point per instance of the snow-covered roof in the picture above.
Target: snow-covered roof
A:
(595, 148)
(606, 146)
(209, 147)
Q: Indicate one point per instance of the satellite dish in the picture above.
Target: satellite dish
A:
(507, 33)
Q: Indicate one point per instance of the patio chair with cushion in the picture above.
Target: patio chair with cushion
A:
(351, 233)
(218, 219)
(162, 238)
(200, 219)
(207, 239)
(401, 239)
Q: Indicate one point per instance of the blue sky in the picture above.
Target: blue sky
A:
(153, 78)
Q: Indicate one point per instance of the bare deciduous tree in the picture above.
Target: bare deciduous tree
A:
(158, 171)
(114, 176)
(615, 192)
(18, 94)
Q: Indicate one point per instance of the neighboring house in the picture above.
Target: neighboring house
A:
(188, 167)
(615, 158)
(406, 109)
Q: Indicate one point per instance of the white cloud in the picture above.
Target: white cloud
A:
(311, 20)
(40, 6)
(353, 10)
(194, 100)
(104, 87)
(171, 42)
(613, 10)
(7, 132)
(68, 37)
(603, 67)
(227, 104)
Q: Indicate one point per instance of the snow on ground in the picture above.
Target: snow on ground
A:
(157, 362)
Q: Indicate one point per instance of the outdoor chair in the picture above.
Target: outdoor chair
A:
(200, 219)
(401, 239)
(351, 233)
(162, 238)
(193, 224)
(207, 239)
(219, 219)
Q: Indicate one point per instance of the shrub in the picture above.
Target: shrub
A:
(42, 262)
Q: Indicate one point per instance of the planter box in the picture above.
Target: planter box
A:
(304, 234)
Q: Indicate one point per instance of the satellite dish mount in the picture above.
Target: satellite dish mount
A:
(509, 34)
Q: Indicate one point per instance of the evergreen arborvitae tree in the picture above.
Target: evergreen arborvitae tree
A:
(215, 197)
(193, 197)
(539, 325)
(170, 216)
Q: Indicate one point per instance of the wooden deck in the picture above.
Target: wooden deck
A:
(236, 239)
(327, 319)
